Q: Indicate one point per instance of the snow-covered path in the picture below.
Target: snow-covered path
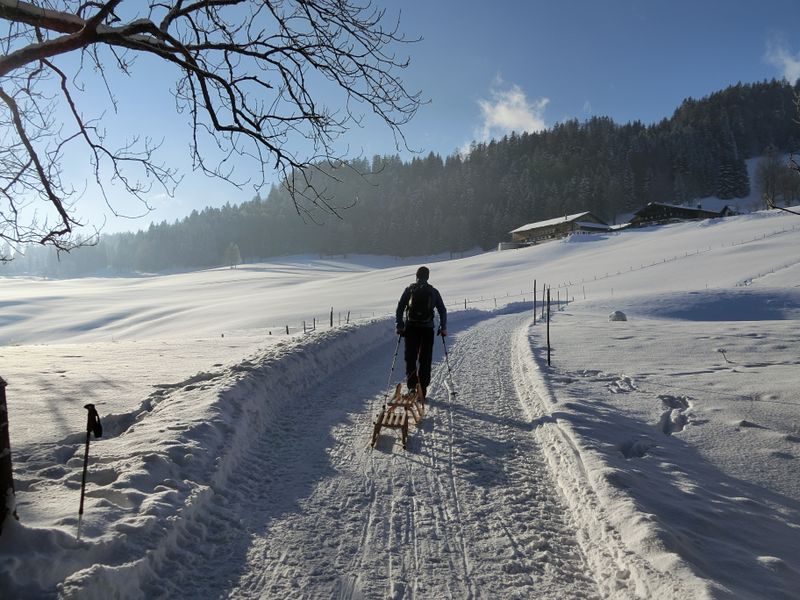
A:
(469, 511)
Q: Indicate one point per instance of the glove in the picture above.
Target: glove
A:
(400, 331)
(442, 332)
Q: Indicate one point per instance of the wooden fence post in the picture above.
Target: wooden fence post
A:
(545, 290)
(534, 302)
(331, 317)
(548, 327)
(6, 472)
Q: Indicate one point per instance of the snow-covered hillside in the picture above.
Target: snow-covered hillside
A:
(654, 457)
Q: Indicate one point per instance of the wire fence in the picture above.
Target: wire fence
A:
(564, 292)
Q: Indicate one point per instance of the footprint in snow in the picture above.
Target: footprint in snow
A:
(676, 414)
(623, 385)
(636, 448)
(679, 402)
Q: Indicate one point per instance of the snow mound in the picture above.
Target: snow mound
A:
(736, 304)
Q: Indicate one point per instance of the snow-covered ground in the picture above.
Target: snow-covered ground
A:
(654, 457)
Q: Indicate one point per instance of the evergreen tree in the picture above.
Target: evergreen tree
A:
(789, 185)
(768, 175)
(741, 179)
(431, 205)
(727, 181)
(232, 256)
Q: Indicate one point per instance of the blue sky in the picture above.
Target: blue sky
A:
(490, 68)
(544, 62)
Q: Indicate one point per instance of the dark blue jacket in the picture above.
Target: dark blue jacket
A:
(437, 304)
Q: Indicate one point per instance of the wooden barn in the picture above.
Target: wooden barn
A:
(584, 222)
(656, 213)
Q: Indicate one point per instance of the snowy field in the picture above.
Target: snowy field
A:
(655, 457)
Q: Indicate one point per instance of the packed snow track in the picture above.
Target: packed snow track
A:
(469, 511)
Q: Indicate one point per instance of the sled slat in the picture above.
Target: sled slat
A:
(397, 413)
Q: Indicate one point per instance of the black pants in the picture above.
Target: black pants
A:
(419, 354)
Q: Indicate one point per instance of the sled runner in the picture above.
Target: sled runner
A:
(397, 413)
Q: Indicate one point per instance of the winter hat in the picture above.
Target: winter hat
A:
(423, 273)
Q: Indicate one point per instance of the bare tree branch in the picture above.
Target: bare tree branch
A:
(249, 74)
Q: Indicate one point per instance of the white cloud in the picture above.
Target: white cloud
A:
(779, 55)
(587, 107)
(509, 110)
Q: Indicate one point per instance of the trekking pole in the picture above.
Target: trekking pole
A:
(92, 426)
(391, 371)
(449, 370)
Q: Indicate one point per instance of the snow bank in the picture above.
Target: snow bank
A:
(610, 529)
(153, 476)
(674, 439)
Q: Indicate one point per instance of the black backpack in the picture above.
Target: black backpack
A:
(420, 304)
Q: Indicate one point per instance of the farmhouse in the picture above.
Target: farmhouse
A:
(532, 233)
(656, 213)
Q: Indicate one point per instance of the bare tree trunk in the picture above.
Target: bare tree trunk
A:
(6, 476)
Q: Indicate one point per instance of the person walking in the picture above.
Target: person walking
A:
(414, 319)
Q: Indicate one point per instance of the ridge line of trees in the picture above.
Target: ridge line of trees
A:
(431, 205)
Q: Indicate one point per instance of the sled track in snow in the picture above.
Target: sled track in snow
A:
(469, 511)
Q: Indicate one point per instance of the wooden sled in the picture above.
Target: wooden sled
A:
(397, 413)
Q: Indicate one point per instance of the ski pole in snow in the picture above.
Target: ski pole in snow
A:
(449, 370)
(92, 426)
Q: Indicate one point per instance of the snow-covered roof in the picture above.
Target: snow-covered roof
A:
(592, 225)
(549, 222)
(679, 206)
